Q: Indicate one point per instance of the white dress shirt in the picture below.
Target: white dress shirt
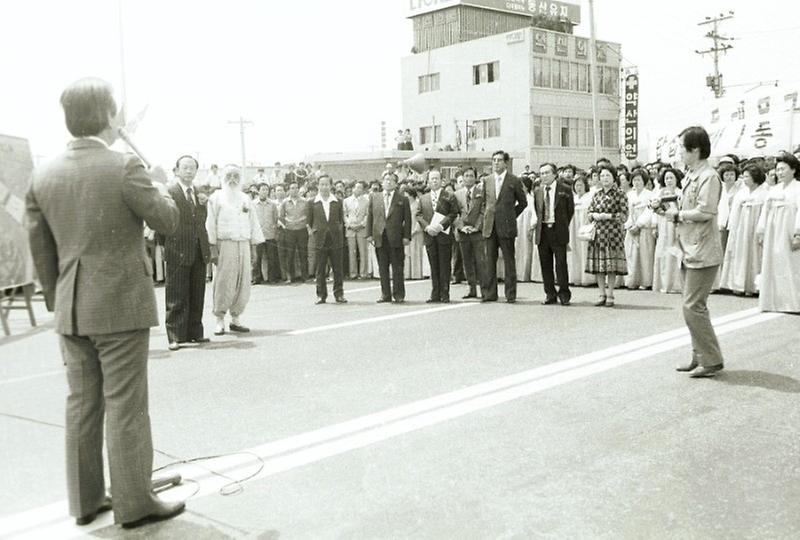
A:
(326, 204)
(550, 194)
(387, 201)
(498, 182)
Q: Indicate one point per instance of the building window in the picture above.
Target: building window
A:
(428, 83)
(430, 134)
(486, 129)
(574, 68)
(585, 132)
(583, 78)
(564, 75)
(556, 74)
(486, 73)
(609, 133)
(542, 130)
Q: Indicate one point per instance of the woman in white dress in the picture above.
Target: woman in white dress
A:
(667, 261)
(640, 238)
(779, 232)
(415, 250)
(523, 245)
(742, 262)
(578, 249)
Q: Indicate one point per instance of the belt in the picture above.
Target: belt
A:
(549, 225)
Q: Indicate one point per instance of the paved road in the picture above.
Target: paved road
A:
(458, 421)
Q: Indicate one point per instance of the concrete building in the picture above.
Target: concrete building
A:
(483, 78)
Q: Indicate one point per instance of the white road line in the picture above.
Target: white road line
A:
(31, 377)
(390, 317)
(320, 444)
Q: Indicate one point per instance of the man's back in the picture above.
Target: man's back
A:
(85, 211)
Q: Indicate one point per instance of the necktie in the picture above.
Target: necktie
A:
(434, 200)
(469, 198)
(547, 208)
(386, 198)
(189, 196)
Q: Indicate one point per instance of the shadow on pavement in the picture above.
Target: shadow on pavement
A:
(633, 307)
(760, 379)
(176, 528)
(229, 344)
(265, 333)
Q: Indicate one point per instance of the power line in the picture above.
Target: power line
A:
(715, 81)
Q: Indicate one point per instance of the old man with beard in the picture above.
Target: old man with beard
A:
(232, 227)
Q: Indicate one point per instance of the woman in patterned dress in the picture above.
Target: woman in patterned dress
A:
(606, 256)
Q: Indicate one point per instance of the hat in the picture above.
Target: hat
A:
(726, 159)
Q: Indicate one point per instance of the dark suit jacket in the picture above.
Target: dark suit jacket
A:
(321, 227)
(180, 248)
(446, 205)
(397, 224)
(84, 216)
(565, 208)
(471, 214)
(503, 208)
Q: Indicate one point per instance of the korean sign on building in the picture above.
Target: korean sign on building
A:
(631, 116)
(552, 8)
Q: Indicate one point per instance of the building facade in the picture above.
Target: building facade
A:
(527, 90)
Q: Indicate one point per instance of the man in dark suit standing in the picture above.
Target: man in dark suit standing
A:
(85, 213)
(555, 205)
(505, 200)
(469, 224)
(389, 230)
(436, 213)
(186, 254)
(326, 221)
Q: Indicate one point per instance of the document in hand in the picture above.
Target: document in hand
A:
(437, 220)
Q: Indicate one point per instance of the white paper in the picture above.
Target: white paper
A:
(437, 220)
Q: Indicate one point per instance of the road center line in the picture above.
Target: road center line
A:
(364, 431)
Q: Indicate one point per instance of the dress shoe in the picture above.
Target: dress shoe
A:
(470, 295)
(238, 328)
(511, 300)
(687, 367)
(173, 346)
(445, 301)
(490, 299)
(549, 301)
(105, 506)
(200, 340)
(432, 301)
(319, 301)
(564, 301)
(219, 329)
(704, 372)
(162, 512)
(383, 300)
(609, 301)
(341, 300)
(601, 302)
(399, 300)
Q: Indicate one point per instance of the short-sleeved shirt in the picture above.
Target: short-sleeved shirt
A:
(700, 240)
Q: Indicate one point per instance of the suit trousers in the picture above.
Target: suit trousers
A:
(439, 257)
(506, 245)
(697, 283)
(185, 291)
(283, 254)
(550, 252)
(297, 244)
(107, 377)
(396, 257)
(357, 254)
(327, 254)
(458, 263)
(473, 253)
(266, 266)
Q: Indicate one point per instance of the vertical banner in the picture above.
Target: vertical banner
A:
(561, 45)
(631, 116)
(16, 165)
(539, 41)
(581, 48)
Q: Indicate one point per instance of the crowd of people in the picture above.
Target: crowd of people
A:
(634, 244)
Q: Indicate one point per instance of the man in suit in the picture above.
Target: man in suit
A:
(85, 213)
(555, 205)
(389, 230)
(438, 236)
(326, 221)
(505, 201)
(469, 224)
(355, 214)
(186, 254)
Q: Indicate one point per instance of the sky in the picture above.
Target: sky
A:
(320, 75)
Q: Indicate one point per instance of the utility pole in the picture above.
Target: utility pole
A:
(715, 81)
(242, 124)
(593, 79)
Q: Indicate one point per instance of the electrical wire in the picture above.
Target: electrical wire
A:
(235, 486)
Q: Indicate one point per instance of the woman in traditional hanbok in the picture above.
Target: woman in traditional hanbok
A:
(523, 245)
(742, 262)
(640, 238)
(667, 262)
(578, 249)
(415, 250)
(779, 231)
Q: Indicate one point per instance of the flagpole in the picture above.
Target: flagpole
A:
(123, 84)
(593, 78)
